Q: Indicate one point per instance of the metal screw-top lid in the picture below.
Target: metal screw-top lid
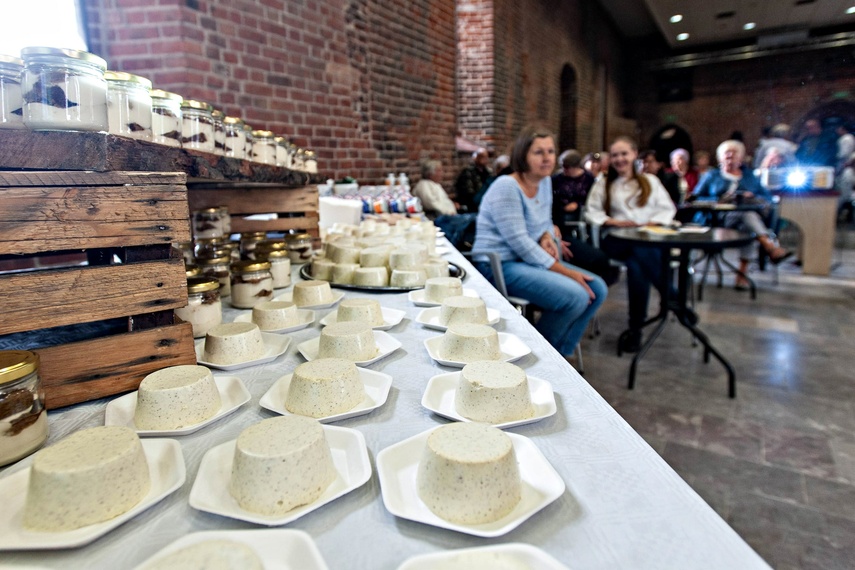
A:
(11, 63)
(128, 78)
(214, 260)
(192, 270)
(15, 364)
(233, 121)
(271, 253)
(90, 58)
(248, 266)
(202, 284)
(161, 94)
(193, 104)
(262, 134)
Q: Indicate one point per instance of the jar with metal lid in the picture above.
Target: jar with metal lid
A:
(252, 283)
(64, 89)
(197, 125)
(128, 105)
(299, 248)
(204, 247)
(23, 419)
(193, 271)
(283, 159)
(166, 117)
(187, 251)
(204, 309)
(219, 132)
(11, 101)
(310, 162)
(227, 219)
(247, 133)
(280, 266)
(248, 242)
(233, 249)
(235, 143)
(298, 160)
(208, 223)
(218, 268)
(263, 147)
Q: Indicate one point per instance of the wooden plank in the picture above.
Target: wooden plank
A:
(255, 200)
(21, 239)
(78, 178)
(52, 298)
(308, 222)
(82, 371)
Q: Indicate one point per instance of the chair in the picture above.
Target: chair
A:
(524, 306)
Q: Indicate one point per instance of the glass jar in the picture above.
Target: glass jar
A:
(247, 133)
(204, 309)
(193, 271)
(227, 219)
(299, 248)
(64, 89)
(283, 159)
(166, 117)
(263, 147)
(208, 223)
(23, 419)
(252, 283)
(310, 162)
(248, 243)
(206, 247)
(219, 132)
(128, 105)
(219, 269)
(186, 248)
(298, 160)
(235, 145)
(197, 126)
(11, 101)
(280, 261)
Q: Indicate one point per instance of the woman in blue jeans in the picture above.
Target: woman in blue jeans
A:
(515, 220)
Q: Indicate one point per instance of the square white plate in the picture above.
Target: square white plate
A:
(210, 492)
(376, 384)
(397, 467)
(441, 390)
(279, 548)
(417, 297)
(442, 250)
(275, 345)
(386, 345)
(289, 296)
(514, 553)
(165, 467)
(430, 318)
(391, 317)
(511, 347)
(233, 394)
(305, 317)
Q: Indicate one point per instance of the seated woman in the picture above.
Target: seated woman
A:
(627, 199)
(515, 220)
(734, 184)
(437, 206)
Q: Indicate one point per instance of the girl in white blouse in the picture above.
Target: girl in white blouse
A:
(626, 198)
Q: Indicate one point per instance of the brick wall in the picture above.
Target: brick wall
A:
(749, 95)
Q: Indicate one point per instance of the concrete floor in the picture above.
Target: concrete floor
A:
(778, 462)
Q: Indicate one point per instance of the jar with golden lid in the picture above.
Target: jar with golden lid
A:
(249, 241)
(197, 125)
(235, 138)
(204, 308)
(128, 105)
(227, 219)
(298, 160)
(299, 248)
(204, 246)
(252, 283)
(280, 265)
(166, 117)
(64, 89)
(23, 419)
(263, 147)
(220, 269)
(192, 271)
(11, 101)
(208, 223)
(310, 162)
(247, 133)
(219, 132)
(283, 159)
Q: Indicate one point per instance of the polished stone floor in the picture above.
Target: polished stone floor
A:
(778, 462)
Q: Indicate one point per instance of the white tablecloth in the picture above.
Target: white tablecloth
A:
(624, 507)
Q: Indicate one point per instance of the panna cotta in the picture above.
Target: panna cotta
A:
(350, 340)
(470, 342)
(311, 293)
(362, 310)
(324, 387)
(493, 392)
(176, 397)
(234, 343)
(462, 310)
(275, 315)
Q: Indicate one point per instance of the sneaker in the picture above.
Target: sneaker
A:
(629, 341)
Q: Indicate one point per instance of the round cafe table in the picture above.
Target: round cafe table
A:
(703, 239)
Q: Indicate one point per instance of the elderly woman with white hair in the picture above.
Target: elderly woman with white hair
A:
(733, 183)
(687, 176)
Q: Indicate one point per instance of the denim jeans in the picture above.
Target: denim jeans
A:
(566, 306)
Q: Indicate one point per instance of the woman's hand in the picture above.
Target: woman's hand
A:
(571, 207)
(548, 244)
(582, 280)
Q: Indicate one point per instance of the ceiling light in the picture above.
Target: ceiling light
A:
(682, 37)
(850, 10)
(749, 26)
(676, 18)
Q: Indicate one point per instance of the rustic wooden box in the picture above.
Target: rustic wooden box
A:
(124, 223)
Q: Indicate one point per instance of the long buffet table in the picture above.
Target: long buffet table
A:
(624, 507)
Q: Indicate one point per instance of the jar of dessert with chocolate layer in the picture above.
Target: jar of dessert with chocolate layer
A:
(263, 147)
(247, 133)
(128, 105)
(204, 308)
(64, 89)
(298, 160)
(248, 243)
(208, 223)
(235, 138)
(193, 271)
(252, 283)
(219, 269)
(310, 162)
(197, 125)
(207, 247)
(299, 248)
(11, 102)
(276, 252)
(283, 159)
(219, 132)
(227, 219)
(166, 117)
(23, 419)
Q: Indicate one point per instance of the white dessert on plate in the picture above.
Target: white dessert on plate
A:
(234, 343)
(460, 310)
(176, 397)
(371, 277)
(342, 273)
(275, 315)
(351, 340)
(324, 387)
(91, 476)
(493, 392)
(468, 474)
(361, 310)
(322, 269)
(215, 554)
(437, 289)
(376, 256)
(311, 293)
(279, 464)
(436, 268)
(470, 342)
(407, 278)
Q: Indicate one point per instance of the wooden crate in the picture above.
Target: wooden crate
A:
(132, 217)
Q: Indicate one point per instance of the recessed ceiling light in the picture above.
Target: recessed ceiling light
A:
(676, 18)
(749, 26)
(850, 10)
(682, 37)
